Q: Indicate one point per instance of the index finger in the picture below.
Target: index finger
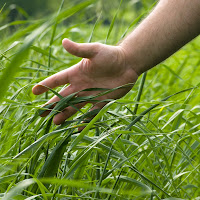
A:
(58, 79)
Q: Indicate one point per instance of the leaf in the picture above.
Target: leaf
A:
(102, 146)
(2, 8)
(179, 175)
(113, 21)
(44, 52)
(86, 129)
(140, 116)
(18, 189)
(13, 67)
(41, 140)
(172, 198)
(176, 114)
(70, 11)
(51, 165)
(134, 182)
(56, 93)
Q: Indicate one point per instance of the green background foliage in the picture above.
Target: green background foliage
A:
(143, 146)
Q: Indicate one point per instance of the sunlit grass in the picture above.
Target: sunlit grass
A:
(143, 146)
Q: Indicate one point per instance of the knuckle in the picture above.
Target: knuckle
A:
(55, 81)
(97, 46)
(85, 63)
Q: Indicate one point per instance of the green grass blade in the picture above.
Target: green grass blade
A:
(13, 67)
(112, 23)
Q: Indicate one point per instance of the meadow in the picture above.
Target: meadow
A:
(145, 145)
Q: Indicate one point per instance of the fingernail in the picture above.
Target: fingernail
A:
(38, 89)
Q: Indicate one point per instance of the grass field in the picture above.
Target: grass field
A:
(143, 146)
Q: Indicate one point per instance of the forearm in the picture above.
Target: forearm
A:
(171, 25)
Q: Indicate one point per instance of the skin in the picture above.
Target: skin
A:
(171, 25)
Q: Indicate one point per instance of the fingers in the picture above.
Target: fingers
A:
(71, 75)
(58, 79)
(66, 113)
(69, 111)
(65, 92)
(84, 50)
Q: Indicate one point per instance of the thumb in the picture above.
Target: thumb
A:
(84, 50)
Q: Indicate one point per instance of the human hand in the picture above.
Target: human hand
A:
(102, 66)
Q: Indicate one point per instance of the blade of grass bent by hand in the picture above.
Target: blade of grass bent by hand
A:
(87, 128)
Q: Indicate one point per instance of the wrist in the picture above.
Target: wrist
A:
(132, 61)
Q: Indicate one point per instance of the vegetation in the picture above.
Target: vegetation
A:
(143, 146)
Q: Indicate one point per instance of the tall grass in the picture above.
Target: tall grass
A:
(143, 146)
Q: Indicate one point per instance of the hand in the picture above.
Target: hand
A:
(102, 66)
